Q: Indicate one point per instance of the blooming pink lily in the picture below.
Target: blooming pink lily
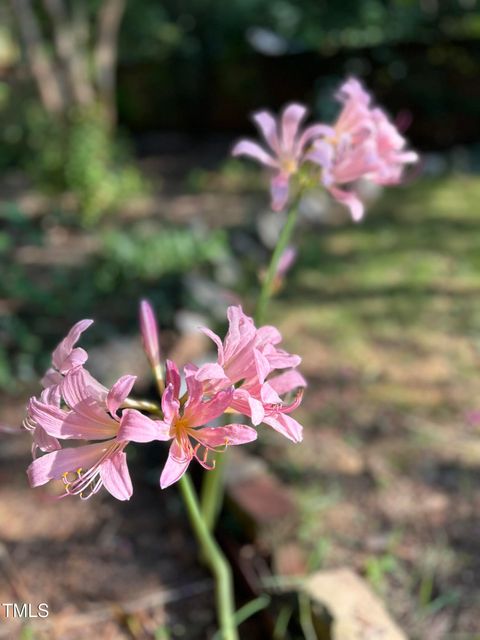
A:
(287, 145)
(363, 143)
(64, 357)
(248, 359)
(183, 424)
(40, 438)
(91, 414)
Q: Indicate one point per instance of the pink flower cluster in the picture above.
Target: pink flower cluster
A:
(363, 143)
(252, 376)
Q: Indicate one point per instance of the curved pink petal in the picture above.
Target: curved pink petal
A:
(292, 116)
(243, 402)
(190, 369)
(119, 392)
(268, 395)
(51, 395)
(288, 381)
(262, 365)
(173, 376)
(194, 391)
(291, 406)
(268, 335)
(211, 371)
(254, 151)
(88, 422)
(314, 131)
(176, 465)
(257, 410)
(200, 413)
(279, 190)
(352, 89)
(287, 426)
(268, 126)
(52, 466)
(136, 427)
(116, 477)
(43, 441)
(61, 354)
(51, 377)
(213, 336)
(350, 200)
(149, 331)
(170, 404)
(76, 358)
(280, 359)
(231, 434)
(78, 385)
(323, 154)
(241, 329)
(49, 417)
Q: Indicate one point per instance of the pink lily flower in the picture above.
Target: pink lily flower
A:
(64, 358)
(287, 146)
(247, 358)
(40, 438)
(183, 424)
(363, 143)
(263, 403)
(91, 414)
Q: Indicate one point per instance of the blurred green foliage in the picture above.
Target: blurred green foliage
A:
(378, 568)
(81, 157)
(139, 253)
(43, 296)
(97, 168)
(215, 28)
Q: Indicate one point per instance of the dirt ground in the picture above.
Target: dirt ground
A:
(106, 569)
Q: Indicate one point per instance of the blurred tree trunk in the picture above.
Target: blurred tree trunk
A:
(69, 56)
(81, 70)
(41, 67)
(106, 52)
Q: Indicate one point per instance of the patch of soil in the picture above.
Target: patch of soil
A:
(106, 569)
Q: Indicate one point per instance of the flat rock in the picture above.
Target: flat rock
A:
(345, 608)
(262, 503)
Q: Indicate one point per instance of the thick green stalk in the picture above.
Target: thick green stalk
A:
(216, 560)
(212, 488)
(267, 286)
(142, 405)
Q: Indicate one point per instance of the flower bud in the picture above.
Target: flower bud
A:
(149, 329)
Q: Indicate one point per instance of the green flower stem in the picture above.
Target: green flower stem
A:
(267, 286)
(216, 561)
(213, 490)
(142, 405)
